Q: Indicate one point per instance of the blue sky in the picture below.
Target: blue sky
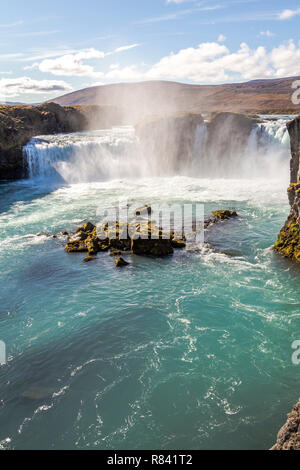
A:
(51, 47)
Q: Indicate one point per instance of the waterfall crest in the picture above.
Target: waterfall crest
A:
(118, 153)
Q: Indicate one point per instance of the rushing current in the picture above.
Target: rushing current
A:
(187, 352)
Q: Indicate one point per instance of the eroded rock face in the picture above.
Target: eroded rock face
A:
(169, 141)
(289, 435)
(227, 138)
(288, 242)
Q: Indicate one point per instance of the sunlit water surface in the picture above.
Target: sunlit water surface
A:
(192, 351)
(187, 352)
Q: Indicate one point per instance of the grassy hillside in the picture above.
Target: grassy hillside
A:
(139, 99)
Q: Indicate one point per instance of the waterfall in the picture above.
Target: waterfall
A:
(268, 150)
(117, 153)
(232, 153)
(83, 157)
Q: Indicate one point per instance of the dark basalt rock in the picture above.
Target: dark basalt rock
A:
(144, 211)
(140, 238)
(151, 247)
(224, 215)
(288, 243)
(218, 216)
(120, 263)
(289, 435)
(88, 259)
(178, 244)
(76, 246)
(169, 137)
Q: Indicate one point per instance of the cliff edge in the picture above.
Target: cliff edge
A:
(288, 242)
(289, 435)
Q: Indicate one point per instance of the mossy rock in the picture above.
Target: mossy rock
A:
(76, 246)
(224, 214)
(88, 259)
(178, 244)
(143, 211)
(288, 243)
(120, 263)
(153, 247)
(86, 228)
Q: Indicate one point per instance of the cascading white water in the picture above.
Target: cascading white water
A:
(264, 154)
(268, 149)
(83, 157)
(116, 153)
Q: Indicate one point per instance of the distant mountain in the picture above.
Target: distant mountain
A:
(156, 97)
(11, 103)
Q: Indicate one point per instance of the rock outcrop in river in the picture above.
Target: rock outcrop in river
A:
(288, 242)
(139, 237)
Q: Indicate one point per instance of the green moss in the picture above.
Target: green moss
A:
(178, 244)
(224, 214)
(288, 242)
(120, 262)
(76, 247)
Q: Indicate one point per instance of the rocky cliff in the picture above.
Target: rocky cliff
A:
(18, 124)
(170, 142)
(227, 135)
(288, 242)
(289, 435)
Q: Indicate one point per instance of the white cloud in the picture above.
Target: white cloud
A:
(267, 33)
(127, 73)
(222, 38)
(35, 33)
(179, 1)
(285, 59)
(71, 64)
(287, 14)
(15, 55)
(180, 14)
(126, 48)
(12, 25)
(39, 55)
(214, 63)
(13, 87)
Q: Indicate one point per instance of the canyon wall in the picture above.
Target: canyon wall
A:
(288, 242)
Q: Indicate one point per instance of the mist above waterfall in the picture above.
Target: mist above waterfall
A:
(164, 148)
